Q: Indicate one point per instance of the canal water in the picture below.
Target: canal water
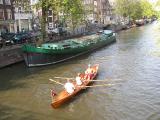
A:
(132, 65)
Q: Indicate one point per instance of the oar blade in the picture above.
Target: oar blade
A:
(56, 81)
(51, 79)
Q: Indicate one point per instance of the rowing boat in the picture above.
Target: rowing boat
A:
(63, 96)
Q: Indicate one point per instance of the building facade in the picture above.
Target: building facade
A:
(98, 11)
(104, 11)
(6, 16)
(23, 15)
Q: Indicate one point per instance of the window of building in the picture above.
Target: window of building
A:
(87, 1)
(9, 14)
(95, 3)
(1, 1)
(8, 2)
(49, 19)
(16, 9)
(1, 14)
(19, 9)
(95, 9)
(50, 12)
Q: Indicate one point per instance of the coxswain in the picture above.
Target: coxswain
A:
(69, 87)
(53, 93)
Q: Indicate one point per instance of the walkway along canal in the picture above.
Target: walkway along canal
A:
(134, 58)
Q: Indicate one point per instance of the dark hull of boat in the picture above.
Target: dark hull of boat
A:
(41, 59)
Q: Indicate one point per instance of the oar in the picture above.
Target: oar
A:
(85, 80)
(56, 82)
(98, 85)
(63, 78)
(103, 80)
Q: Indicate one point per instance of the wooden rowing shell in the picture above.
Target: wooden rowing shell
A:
(63, 96)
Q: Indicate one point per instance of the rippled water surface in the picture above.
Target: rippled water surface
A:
(132, 64)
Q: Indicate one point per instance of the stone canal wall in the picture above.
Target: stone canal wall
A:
(10, 55)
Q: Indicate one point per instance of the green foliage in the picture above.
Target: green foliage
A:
(135, 9)
(128, 8)
(157, 5)
(73, 11)
(147, 8)
(25, 4)
(70, 10)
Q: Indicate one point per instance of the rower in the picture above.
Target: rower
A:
(89, 72)
(78, 79)
(69, 87)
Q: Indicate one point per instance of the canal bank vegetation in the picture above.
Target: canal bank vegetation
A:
(157, 7)
(135, 9)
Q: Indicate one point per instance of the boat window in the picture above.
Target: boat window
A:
(75, 43)
(66, 45)
(50, 46)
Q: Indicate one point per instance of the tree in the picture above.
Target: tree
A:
(158, 3)
(123, 7)
(147, 8)
(128, 8)
(43, 4)
(69, 9)
(73, 10)
(134, 9)
(157, 6)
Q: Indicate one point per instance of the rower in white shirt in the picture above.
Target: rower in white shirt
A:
(69, 87)
(78, 79)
